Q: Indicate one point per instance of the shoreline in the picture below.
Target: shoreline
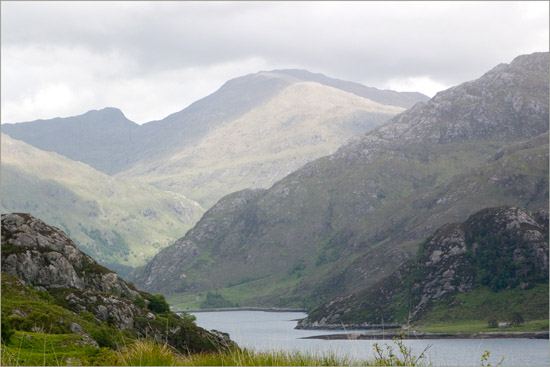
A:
(342, 327)
(232, 309)
(422, 335)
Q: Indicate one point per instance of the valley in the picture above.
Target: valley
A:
(323, 193)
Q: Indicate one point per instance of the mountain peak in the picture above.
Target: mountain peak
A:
(387, 97)
(111, 112)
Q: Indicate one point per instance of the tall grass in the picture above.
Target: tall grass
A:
(149, 353)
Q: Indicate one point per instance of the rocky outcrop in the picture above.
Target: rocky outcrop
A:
(505, 247)
(44, 257)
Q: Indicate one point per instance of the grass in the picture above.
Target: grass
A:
(478, 326)
(41, 349)
(482, 303)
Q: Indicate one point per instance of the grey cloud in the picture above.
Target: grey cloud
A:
(367, 42)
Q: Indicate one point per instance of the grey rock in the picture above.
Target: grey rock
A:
(76, 328)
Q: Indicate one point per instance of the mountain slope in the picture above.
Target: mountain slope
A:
(302, 122)
(53, 288)
(500, 248)
(273, 113)
(114, 220)
(344, 221)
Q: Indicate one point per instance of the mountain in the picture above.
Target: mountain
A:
(97, 138)
(251, 132)
(118, 222)
(50, 287)
(387, 97)
(495, 251)
(303, 121)
(343, 222)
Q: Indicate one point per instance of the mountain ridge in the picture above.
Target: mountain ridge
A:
(138, 149)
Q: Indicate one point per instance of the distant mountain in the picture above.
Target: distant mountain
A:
(117, 221)
(251, 132)
(301, 122)
(97, 138)
(343, 222)
(387, 97)
(495, 250)
(50, 287)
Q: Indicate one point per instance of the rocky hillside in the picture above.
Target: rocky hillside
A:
(41, 258)
(499, 248)
(118, 222)
(346, 221)
(251, 132)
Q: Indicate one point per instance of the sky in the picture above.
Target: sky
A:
(151, 59)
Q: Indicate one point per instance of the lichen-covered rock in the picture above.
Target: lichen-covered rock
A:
(44, 257)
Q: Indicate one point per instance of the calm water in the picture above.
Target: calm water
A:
(275, 330)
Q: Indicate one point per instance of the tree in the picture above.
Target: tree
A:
(158, 304)
(493, 323)
(516, 319)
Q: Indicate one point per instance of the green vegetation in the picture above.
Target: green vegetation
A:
(116, 221)
(158, 304)
(482, 304)
(308, 242)
(28, 310)
(216, 300)
(479, 326)
(46, 349)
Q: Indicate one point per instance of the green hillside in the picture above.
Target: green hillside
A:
(119, 222)
(59, 307)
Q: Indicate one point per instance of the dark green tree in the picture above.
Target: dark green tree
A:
(516, 319)
(158, 304)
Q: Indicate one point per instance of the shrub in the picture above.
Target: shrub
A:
(7, 331)
(188, 317)
(38, 320)
(158, 304)
(392, 358)
(493, 323)
(140, 302)
(104, 337)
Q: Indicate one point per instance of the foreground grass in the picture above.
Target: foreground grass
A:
(42, 349)
(147, 353)
(60, 350)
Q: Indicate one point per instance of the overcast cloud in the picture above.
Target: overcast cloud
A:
(151, 59)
